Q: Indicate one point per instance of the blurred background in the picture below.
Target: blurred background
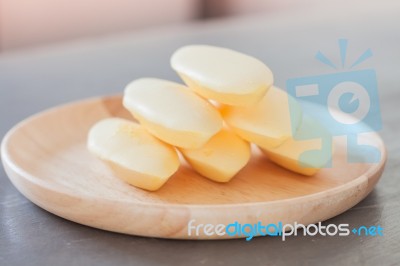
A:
(27, 23)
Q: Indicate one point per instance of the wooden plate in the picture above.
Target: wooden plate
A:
(46, 159)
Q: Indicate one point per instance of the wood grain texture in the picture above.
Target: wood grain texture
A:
(46, 158)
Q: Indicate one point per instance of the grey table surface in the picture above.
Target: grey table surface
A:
(36, 79)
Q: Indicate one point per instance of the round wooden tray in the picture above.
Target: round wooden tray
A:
(46, 159)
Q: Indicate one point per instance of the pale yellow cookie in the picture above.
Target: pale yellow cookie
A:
(171, 112)
(221, 74)
(221, 158)
(267, 123)
(307, 152)
(135, 155)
